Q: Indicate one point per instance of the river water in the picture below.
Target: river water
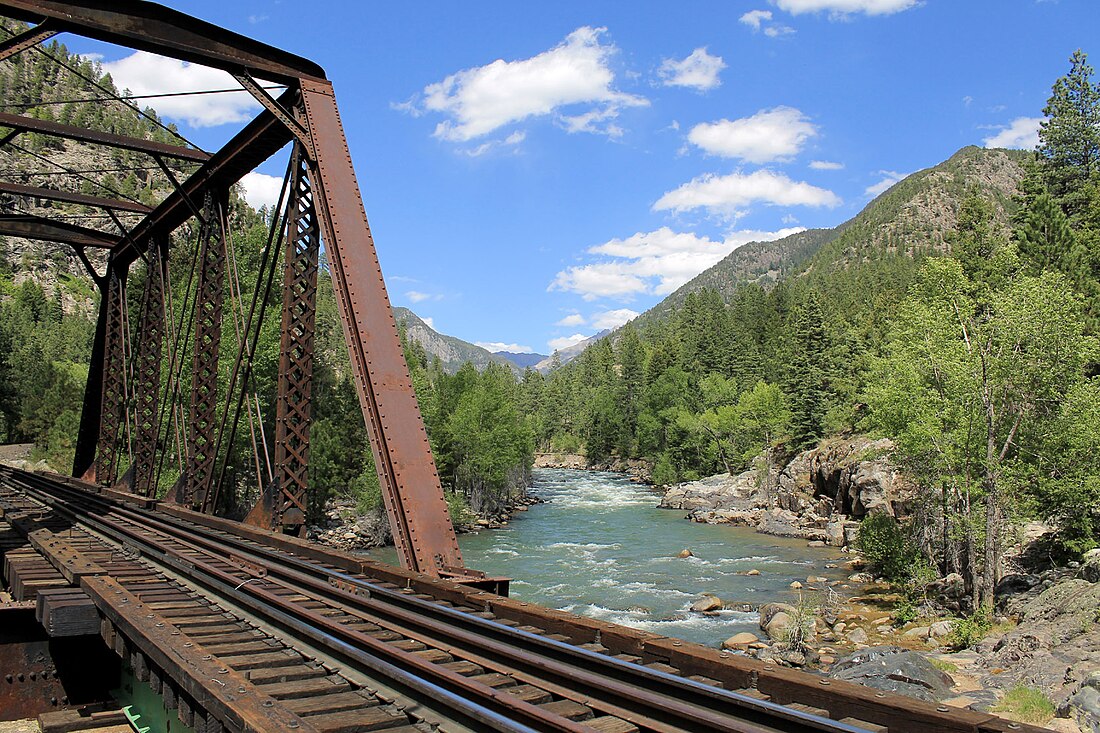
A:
(599, 547)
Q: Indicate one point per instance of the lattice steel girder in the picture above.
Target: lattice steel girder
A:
(51, 194)
(108, 139)
(157, 29)
(113, 392)
(295, 400)
(147, 361)
(203, 414)
(411, 489)
(29, 226)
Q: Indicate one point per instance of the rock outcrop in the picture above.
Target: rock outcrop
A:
(820, 495)
(893, 669)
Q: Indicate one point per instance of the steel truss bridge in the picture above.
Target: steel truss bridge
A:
(244, 625)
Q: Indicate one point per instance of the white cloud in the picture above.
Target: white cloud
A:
(261, 189)
(497, 346)
(826, 165)
(769, 135)
(754, 18)
(145, 73)
(417, 297)
(483, 99)
(430, 322)
(654, 262)
(613, 319)
(573, 319)
(1022, 133)
(728, 195)
(843, 8)
(889, 178)
(698, 71)
(565, 341)
(761, 20)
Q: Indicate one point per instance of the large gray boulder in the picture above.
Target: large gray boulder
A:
(1084, 707)
(1090, 568)
(893, 669)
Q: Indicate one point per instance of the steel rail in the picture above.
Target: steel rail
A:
(633, 688)
(470, 698)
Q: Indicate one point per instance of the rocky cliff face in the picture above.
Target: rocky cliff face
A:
(819, 496)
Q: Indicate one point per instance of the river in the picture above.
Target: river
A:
(599, 547)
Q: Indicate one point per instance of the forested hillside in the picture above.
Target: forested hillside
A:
(957, 315)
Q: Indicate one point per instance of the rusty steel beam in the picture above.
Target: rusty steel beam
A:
(147, 358)
(108, 139)
(154, 28)
(29, 226)
(283, 506)
(20, 42)
(203, 422)
(411, 489)
(113, 391)
(51, 194)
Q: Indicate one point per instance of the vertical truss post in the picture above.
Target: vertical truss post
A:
(113, 380)
(147, 359)
(411, 489)
(203, 423)
(283, 505)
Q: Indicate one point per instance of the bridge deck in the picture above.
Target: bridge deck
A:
(241, 629)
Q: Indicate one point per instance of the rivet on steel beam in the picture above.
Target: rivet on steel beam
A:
(943, 708)
(207, 657)
(267, 703)
(824, 682)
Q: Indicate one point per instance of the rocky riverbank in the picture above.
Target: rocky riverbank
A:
(820, 495)
(638, 470)
(346, 528)
(1044, 643)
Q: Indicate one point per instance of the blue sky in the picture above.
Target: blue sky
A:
(536, 172)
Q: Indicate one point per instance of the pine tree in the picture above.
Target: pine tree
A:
(1069, 139)
(808, 374)
(1047, 242)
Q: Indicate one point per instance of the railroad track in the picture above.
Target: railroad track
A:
(407, 660)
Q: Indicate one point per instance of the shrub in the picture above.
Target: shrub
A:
(971, 629)
(664, 473)
(459, 509)
(803, 623)
(886, 545)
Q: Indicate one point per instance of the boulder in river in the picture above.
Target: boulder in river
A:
(685, 553)
(707, 604)
(740, 641)
(778, 626)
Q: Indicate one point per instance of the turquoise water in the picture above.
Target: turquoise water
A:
(599, 547)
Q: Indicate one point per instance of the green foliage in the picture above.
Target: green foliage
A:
(1069, 139)
(1026, 704)
(803, 622)
(887, 546)
(459, 509)
(971, 629)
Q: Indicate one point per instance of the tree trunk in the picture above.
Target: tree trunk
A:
(992, 535)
